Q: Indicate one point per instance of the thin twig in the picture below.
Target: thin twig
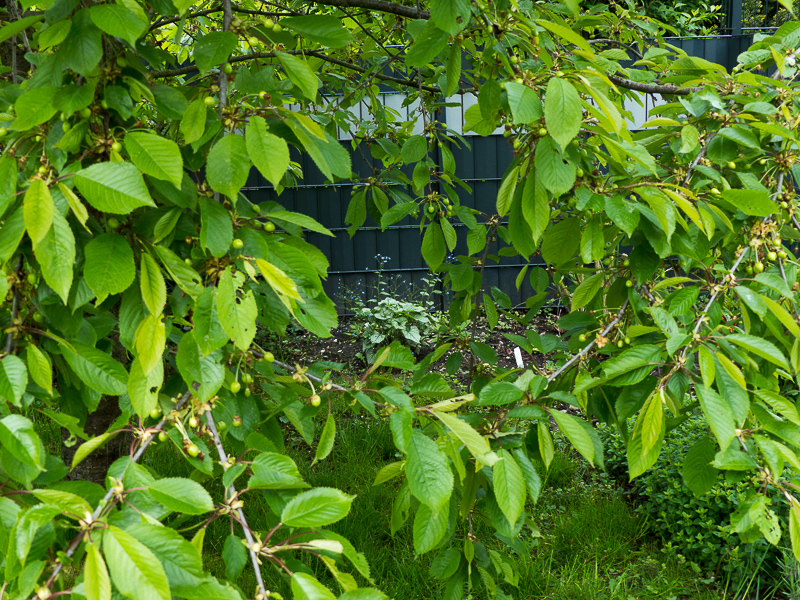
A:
(102, 505)
(223, 457)
(652, 88)
(698, 158)
(591, 344)
(14, 307)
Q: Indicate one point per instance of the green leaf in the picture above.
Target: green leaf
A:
(623, 214)
(650, 422)
(34, 107)
(708, 368)
(12, 28)
(184, 275)
(285, 217)
(56, 255)
(193, 124)
(505, 194)
(194, 366)
(718, 414)
(228, 165)
(562, 111)
(451, 16)
(299, 74)
(234, 554)
(213, 49)
(592, 241)
(561, 241)
(326, 30)
(755, 203)
(216, 228)
(428, 471)
(154, 289)
(316, 507)
(182, 495)
(273, 471)
(154, 155)
(237, 311)
(269, 153)
(88, 447)
(113, 187)
(96, 582)
(38, 210)
(499, 393)
(566, 34)
(759, 347)
(631, 359)
(135, 570)
(143, 389)
(526, 107)
(109, 267)
(19, 438)
(326, 440)
(794, 528)
(689, 139)
(150, 341)
(208, 331)
(476, 443)
(120, 21)
(576, 434)
(96, 369)
(305, 587)
(414, 149)
(327, 153)
(426, 46)
(39, 367)
(430, 528)
(509, 486)
(586, 291)
(13, 379)
(82, 50)
(433, 246)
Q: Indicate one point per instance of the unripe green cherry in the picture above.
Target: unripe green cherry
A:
(247, 378)
(163, 436)
(31, 278)
(188, 261)
(582, 337)
(116, 146)
(782, 254)
(222, 425)
(247, 392)
(113, 223)
(235, 387)
(749, 269)
(772, 256)
(155, 413)
(269, 23)
(65, 127)
(579, 173)
(237, 421)
(192, 450)
(237, 244)
(431, 208)
(731, 165)
(269, 226)
(620, 343)
(256, 208)
(627, 340)
(209, 101)
(315, 400)
(104, 104)
(277, 28)
(629, 283)
(517, 144)
(194, 422)
(626, 263)
(758, 267)
(86, 112)
(542, 132)
(269, 357)
(227, 68)
(3, 132)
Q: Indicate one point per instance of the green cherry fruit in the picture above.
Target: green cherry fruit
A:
(38, 317)
(620, 343)
(121, 62)
(758, 267)
(269, 357)
(782, 254)
(222, 425)
(155, 413)
(235, 387)
(227, 68)
(237, 421)
(188, 261)
(194, 422)
(315, 400)
(626, 263)
(86, 112)
(113, 223)
(116, 146)
(763, 161)
(256, 208)
(715, 191)
(193, 450)
(104, 104)
(247, 378)
(162, 436)
(749, 269)
(415, 214)
(731, 165)
(582, 337)
(42, 170)
(31, 278)
(629, 283)
(263, 95)
(3, 132)
(65, 127)
(63, 116)
(277, 28)
(247, 392)
(431, 208)
(579, 173)
(519, 80)
(627, 340)
(269, 226)
(517, 144)
(772, 256)
(542, 132)
(269, 23)
(209, 101)
(238, 244)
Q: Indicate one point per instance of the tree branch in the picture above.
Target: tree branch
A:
(652, 88)
(379, 6)
(14, 306)
(316, 54)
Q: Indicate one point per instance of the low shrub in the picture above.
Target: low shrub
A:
(697, 528)
(393, 320)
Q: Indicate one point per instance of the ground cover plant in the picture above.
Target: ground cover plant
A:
(136, 273)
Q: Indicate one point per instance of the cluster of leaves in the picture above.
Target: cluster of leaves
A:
(391, 320)
(135, 271)
(698, 527)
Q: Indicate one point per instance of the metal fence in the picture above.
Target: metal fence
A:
(393, 257)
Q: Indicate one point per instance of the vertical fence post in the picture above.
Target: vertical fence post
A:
(735, 16)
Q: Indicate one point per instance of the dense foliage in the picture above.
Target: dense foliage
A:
(136, 272)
